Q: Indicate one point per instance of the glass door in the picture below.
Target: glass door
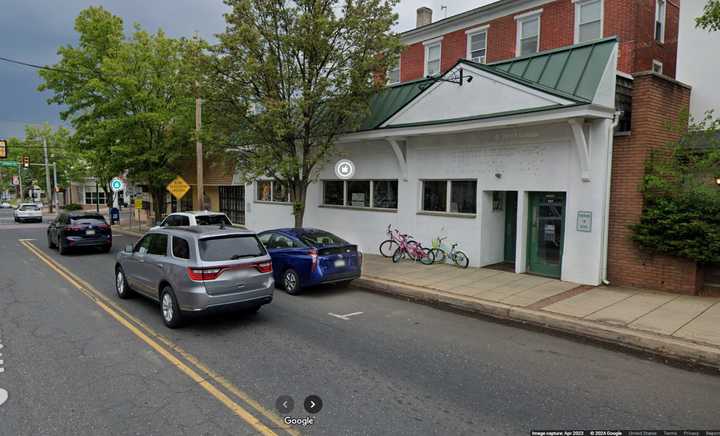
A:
(545, 233)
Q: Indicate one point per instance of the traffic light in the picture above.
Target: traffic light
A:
(3, 149)
(26, 161)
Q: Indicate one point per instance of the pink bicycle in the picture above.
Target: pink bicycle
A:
(414, 251)
(390, 245)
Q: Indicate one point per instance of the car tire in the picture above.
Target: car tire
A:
(343, 284)
(51, 243)
(291, 282)
(106, 249)
(62, 250)
(122, 288)
(252, 310)
(169, 308)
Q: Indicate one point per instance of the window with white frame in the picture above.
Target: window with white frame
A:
(394, 73)
(449, 196)
(657, 66)
(477, 45)
(378, 194)
(271, 191)
(660, 20)
(588, 20)
(92, 197)
(433, 51)
(528, 33)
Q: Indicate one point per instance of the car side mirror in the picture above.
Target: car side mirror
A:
(128, 248)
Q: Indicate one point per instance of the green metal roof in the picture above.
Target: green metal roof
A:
(573, 71)
(390, 100)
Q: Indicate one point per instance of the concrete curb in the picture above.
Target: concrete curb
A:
(661, 345)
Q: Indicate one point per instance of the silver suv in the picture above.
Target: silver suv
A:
(195, 269)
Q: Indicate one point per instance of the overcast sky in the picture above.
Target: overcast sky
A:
(33, 29)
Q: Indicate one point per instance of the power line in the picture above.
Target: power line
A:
(39, 67)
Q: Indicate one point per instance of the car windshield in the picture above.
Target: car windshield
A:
(230, 247)
(212, 220)
(318, 237)
(29, 207)
(90, 219)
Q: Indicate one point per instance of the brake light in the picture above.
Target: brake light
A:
(102, 226)
(264, 267)
(314, 256)
(72, 228)
(201, 274)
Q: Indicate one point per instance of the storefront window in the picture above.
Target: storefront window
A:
(435, 195)
(385, 194)
(358, 193)
(333, 192)
(463, 196)
(264, 190)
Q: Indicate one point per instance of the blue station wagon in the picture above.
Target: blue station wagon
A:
(306, 257)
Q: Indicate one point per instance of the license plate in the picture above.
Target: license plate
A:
(339, 263)
(89, 232)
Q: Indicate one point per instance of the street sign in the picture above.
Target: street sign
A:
(8, 164)
(178, 187)
(138, 203)
(117, 184)
(3, 149)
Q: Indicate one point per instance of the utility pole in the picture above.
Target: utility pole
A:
(55, 190)
(97, 196)
(22, 194)
(199, 148)
(47, 176)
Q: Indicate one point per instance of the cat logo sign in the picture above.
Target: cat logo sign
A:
(178, 187)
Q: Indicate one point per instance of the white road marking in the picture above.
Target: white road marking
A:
(3, 396)
(345, 317)
(27, 240)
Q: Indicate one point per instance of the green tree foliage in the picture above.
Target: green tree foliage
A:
(681, 215)
(288, 77)
(710, 19)
(129, 100)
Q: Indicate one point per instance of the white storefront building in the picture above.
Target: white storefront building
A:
(511, 161)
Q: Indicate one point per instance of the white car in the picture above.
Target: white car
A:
(28, 212)
(5, 205)
(194, 218)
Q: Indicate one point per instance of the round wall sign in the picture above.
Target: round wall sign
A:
(345, 169)
(117, 184)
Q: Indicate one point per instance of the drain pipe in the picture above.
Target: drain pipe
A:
(606, 227)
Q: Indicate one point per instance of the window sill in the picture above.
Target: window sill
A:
(279, 203)
(364, 209)
(448, 214)
(626, 133)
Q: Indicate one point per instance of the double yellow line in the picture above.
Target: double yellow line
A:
(173, 353)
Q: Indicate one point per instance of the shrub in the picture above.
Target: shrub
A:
(72, 206)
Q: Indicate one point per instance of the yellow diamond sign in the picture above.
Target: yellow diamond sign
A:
(178, 187)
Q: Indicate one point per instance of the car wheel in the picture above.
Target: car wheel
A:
(169, 308)
(252, 310)
(291, 282)
(62, 250)
(343, 284)
(51, 243)
(106, 249)
(121, 285)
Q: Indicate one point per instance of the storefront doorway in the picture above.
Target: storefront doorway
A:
(232, 202)
(511, 198)
(546, 227)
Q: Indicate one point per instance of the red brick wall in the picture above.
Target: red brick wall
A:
(656, 101)
(632, 21)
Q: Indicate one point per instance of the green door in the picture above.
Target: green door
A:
(510, 225)
(546, 226)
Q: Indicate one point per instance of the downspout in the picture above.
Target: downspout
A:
(606, 229)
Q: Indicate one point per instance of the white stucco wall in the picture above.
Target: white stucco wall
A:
(698, 62)
(538, 158)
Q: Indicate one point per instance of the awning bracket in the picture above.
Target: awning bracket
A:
(582, 147)
(399, 146)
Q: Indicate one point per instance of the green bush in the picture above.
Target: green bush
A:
(72, 206)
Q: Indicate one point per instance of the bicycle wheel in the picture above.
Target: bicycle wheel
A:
(461, 259)
(427, 257)
(439, 255)
(388, 247)
(398, 255)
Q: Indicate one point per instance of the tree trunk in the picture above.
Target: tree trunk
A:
(158, 196)
(299, 190)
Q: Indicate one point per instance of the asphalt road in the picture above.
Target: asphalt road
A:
(396, 368)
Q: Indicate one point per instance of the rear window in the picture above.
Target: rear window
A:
(181, 248)
(212, 220)
(90, 219)
(318, 238)
(230, 248)
(29, 207)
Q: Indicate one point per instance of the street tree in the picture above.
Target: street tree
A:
(288, 77)
(710, 19)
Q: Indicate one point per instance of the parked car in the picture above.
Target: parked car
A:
(196, 269)
(194, 218)
(307, 257)
(28, 212)
(79, 230)
(5, 205)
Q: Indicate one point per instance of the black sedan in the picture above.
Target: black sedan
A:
(76, 230)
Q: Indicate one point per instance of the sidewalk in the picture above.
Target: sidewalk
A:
(676, 326)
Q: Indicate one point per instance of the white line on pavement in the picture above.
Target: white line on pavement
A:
(3, 396)
(345, 317)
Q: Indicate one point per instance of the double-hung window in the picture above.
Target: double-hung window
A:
(394, 73)
(660, 20)
(378, 194)
(588, 20)
(449, 196)
(477, 45)
(433, 51)
(528, 33)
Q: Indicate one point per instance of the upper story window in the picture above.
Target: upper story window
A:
(433, 51)
(528, 33)
(660, 20)
(394, 74)
(588, 20)
(477, 44)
